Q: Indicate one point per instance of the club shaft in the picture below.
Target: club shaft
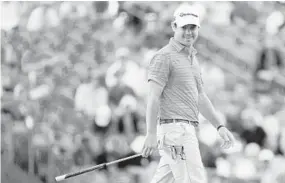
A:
(123, 159)
(69, 175)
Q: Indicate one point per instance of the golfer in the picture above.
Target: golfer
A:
(176, 96)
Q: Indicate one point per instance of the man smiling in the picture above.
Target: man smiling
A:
(176, 96)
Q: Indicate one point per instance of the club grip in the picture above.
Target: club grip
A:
(60, 178)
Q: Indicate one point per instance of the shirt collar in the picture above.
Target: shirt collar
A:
(176, 44)
(179, 47)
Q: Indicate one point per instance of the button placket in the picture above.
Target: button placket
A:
(192, 52)
(190, 59)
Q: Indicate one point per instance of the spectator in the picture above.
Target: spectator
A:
(252, 133)
(270, 57)
(89, 97)
(269, 64)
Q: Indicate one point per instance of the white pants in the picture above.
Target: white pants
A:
(179, 170)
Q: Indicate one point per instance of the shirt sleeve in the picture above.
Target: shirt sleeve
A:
(159, 69)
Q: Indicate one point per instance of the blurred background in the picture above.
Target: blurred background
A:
(73, 90)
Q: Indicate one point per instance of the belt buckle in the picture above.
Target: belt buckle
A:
(195, 123)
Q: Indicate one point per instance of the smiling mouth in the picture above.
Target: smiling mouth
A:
(189, 39)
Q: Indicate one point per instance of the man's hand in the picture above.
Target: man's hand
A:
(150, 144)
(227, 136)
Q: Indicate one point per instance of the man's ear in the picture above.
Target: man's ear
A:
(173, 26)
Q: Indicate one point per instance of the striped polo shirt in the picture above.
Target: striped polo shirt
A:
(178, 71)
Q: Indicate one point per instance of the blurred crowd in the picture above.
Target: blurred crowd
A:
(74, 87)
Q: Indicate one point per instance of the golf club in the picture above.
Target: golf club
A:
(100, 166)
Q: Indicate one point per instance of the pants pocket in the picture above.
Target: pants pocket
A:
(174, 138)
(160, 141)
(173, 134)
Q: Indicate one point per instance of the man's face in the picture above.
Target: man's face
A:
(187, 34)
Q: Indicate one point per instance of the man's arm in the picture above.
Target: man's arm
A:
(207, 109)
(159, 69)
(150, 143)
(154, 94)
